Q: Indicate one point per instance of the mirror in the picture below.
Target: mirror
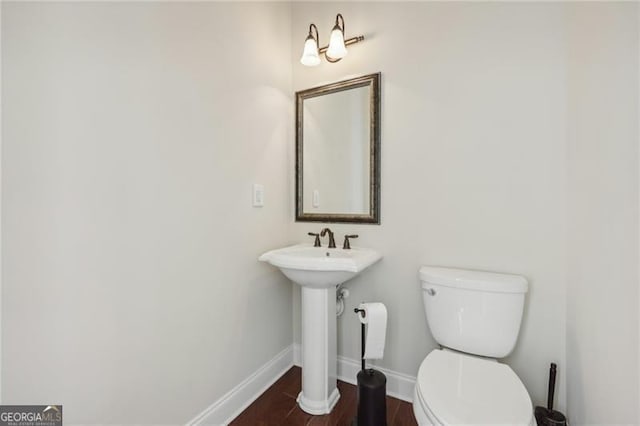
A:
(338, 152)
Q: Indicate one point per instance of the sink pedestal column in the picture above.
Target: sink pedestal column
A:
(319, 351)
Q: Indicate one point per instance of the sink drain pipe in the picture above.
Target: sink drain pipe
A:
(341, 294)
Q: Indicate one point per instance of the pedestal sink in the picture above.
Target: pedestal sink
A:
(318, 270)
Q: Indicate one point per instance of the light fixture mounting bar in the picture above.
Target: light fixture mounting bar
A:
(347, 42)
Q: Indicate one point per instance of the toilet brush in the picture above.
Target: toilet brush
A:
(548, 416)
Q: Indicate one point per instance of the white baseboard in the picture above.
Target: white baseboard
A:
(399, 385)
(227, 408)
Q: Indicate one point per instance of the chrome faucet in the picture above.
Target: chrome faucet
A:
(332, 241)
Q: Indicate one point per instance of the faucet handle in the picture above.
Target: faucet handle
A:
(316, 243)
(346, 245)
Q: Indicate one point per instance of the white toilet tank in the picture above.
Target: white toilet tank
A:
(472, 311)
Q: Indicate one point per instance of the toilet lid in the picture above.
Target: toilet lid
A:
(463, 389)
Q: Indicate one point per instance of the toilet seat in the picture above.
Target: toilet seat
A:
(459, 389)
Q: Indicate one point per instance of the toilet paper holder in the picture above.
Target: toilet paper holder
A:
(362, 333)
(372, 390)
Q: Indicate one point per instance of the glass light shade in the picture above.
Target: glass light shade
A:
(310, 55)
(337, 49)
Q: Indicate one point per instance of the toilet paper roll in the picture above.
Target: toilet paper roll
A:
(375, 316)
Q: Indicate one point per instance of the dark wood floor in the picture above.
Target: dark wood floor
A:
(277, 406)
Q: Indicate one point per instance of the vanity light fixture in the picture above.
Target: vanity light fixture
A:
(336, 50)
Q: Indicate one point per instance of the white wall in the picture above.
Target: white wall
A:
(132, 133)
(602, 285)
(473, 162)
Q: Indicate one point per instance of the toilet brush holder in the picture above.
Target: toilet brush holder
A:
(372, 391)
(548, 416)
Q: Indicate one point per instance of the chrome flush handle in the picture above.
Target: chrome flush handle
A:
(431, 291)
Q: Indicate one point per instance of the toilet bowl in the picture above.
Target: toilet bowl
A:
(459, 389)
(476, 317)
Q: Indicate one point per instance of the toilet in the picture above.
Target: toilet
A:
(475, 316)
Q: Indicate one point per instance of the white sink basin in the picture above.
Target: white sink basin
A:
(320, 267)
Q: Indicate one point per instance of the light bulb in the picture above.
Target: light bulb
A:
(337, 49)
(310, 55)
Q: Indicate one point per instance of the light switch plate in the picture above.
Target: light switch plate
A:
(258, 195)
